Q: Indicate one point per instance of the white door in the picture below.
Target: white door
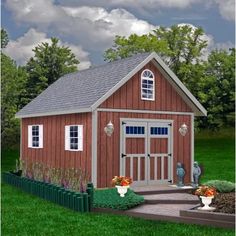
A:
(146, 154)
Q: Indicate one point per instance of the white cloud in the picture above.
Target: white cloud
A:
(93, 27)
(227, 9)
(155, 3)
(138, 4)
(224, 45)
(21, 49)
(34, 11)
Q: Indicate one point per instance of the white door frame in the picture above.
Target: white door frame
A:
(147, 123)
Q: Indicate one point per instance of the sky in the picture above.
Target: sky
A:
(89, 27)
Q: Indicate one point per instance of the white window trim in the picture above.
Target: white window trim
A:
(30, 144)
(80, 138)
(145, 78)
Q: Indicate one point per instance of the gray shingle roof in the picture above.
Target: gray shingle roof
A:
(80, 90)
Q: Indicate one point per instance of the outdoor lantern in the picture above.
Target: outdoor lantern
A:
(109, 129)
(183, 129)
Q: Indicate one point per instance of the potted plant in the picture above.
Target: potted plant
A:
(206, 195)
(122, 184)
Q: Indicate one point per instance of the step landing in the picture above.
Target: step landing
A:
(171, 198)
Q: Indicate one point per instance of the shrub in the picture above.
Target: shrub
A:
(109, 198)
(221, 186)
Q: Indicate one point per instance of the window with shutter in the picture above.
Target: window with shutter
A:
(35, 136)
(74, 137)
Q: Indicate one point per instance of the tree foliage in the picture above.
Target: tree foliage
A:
(13, 80)
(4, 38)
(217, 89)
(49, 63)
(176, 46)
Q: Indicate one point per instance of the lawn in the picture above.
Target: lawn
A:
(217, 155)
(23, 214)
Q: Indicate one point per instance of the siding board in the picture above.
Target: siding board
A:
(53, 152)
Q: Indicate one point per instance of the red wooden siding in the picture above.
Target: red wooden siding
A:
(108, 156)
(129, 95)
(53, 152)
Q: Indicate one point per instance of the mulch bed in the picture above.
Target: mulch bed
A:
(225, 203)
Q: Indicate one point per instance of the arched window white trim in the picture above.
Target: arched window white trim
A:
(147, 85)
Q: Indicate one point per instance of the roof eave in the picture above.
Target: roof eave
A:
(64, 112)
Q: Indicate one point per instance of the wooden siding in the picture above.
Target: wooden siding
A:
(129, 95)
(53, 152)
(108, 156)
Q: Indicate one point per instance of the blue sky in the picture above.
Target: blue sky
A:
(89, 27)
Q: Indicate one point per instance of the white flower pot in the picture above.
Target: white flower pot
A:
(122, 190)
(206, 202)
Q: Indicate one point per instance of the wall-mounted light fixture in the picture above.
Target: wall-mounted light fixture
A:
(183, 129)
(109, 129)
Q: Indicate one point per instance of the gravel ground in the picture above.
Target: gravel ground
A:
(225, 203)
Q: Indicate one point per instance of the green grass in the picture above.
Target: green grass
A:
(217, 155)
(109, 198)
(23, 214)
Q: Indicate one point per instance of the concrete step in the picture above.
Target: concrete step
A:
(162, 189)
(171, 198)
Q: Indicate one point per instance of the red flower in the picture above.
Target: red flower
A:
(121, 181)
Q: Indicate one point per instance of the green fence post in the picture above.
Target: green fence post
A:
(85, 198)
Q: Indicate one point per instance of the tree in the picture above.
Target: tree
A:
(13, 81)
(177, 46)
(4, 38)
(217, 92)
(49, 63)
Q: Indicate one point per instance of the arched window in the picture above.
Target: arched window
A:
(147, 85)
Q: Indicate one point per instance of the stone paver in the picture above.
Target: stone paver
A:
(162, 209)
(171, 196)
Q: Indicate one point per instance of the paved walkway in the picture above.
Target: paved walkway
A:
(171, 196)
(177, 202)
(162, 209)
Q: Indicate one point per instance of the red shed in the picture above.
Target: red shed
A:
(143, 99)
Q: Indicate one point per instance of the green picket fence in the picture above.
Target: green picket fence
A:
(82, 202)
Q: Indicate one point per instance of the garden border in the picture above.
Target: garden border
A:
(81, 202)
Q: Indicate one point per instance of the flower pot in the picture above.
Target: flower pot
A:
(122, 190)
(206, 201)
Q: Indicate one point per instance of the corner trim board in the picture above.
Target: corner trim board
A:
(192, 146)
(94, 148)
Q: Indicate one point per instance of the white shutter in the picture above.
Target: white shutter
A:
(40, 136)
(80, 137)
(67, 137)
(29, 136)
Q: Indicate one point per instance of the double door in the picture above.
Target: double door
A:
(146, 151)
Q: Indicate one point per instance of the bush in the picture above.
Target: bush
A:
(109, 198)
(221, 186)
